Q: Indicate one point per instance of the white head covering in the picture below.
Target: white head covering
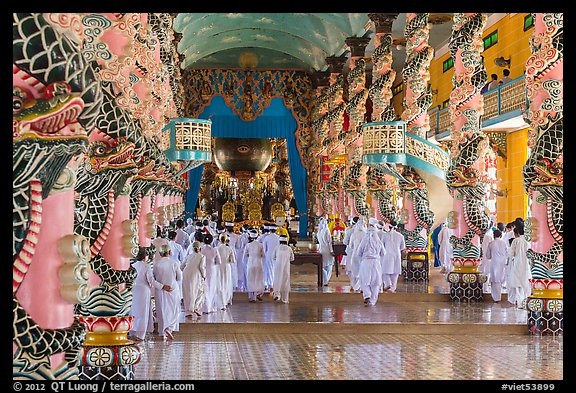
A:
(253, 233)
(189, 221)
(229, 224)
(373, 242)
(360, 226)
(372, 221)
(283, 239)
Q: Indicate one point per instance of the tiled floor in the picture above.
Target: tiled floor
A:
(217, 353)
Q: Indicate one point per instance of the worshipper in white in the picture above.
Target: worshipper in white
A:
(228, 259)
(232, 241)
(182, 237)
(212, 297)
(194, 281)
(353, 263)
(254, 255)
(445, 248)
(370, 252)
(519, 274)
(240, 260)
(177, 253)
(269, 243)
(382, 235)
(141, 296)
(189, 228)
(167, 272)
(485, 261)
(497, 253)
(157, 242)
(281, 257)
(393, 259)
(346, 241)
(326, 249)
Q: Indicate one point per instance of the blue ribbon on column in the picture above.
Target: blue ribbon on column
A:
(194, 177)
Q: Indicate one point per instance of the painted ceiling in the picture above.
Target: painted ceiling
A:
(282, 40)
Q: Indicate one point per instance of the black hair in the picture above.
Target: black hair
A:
(506, 72)
(230, 228)
(158, 231)
(519, 230)
(510, 225)
(205, 222)
(141, 254)
(171, 235)
(497, 233)
(494, 76)
(208, 238)
(199, 236)
(393, 223)
(355, 219)
(501, 227)
(198, 223)
(179, 223)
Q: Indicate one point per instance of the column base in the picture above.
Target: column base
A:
(416, 266)
(466, 287)
(545, 316)
(109, 373)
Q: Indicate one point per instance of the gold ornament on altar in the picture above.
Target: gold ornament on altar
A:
(228, 214)
(277, 211)
(255, 212)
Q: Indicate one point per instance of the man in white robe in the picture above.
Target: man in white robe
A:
(194, 281)
(485, 263)
(189, 228)
(212, 298)
(281, 257)
(182, 237)
(497, 253)
(392, 266)
(232, 241)
(228, 259)
(240, 260)
(167, 272)
(177, 253)
(141, 307)
(254, 255)
(326, 249)
(157, 242)
(269, 243)
(352, 262)
(519, 274)
(445, 248)
(346, 241)
(370, 252)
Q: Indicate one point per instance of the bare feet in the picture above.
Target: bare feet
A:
(169, 334)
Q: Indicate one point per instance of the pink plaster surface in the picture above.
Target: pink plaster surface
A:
(409, 205)
(112, 249)
(144, 240)
(544, 239)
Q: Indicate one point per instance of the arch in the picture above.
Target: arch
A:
(276, 121)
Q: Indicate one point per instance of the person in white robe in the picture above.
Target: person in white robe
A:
(182, 237)
(370, 252)
(519, 274)
(212, 298)
(485, 261)
(269, 243)
(194, 281)
(281, 257)
(189, 228)
(445, 248)
(346, 241)
(382, 235)
(232, 241)
(228, 259)
(326, 249)
(167, 272)
(177, 253)
(157, 242)
(497, 253)
(254, 255)
(240, 260)
(141, 307)
(353, 263)
(392, 266)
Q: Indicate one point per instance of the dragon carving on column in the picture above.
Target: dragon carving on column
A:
(332, 188)
(356, 190)
(383, 192)
(383, 75)
(543, 175)
(53, 109)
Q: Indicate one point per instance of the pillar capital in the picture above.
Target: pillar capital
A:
(320, 78)
(357, 45)
(336, 64)
(383, 21)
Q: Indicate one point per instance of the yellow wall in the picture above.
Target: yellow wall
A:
(515, 204)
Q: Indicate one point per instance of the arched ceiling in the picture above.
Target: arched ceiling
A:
(286, 40)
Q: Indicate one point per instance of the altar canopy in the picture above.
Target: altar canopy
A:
(276, 121)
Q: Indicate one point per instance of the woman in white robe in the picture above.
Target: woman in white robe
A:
(519, 274)
(228, 259)
(232, 241)
(212, 297)
(392, 266)
(352, 263)
(445, 248)
(281, 257)
(240, 261)
(254, 255)
(167, 272)
(370, 252)
(194, 281)
(141, 307)
(157, 242)
(326, 249)
(485, 263)
(497, 253)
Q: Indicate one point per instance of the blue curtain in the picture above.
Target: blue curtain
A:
(194, 177)
(275, 122)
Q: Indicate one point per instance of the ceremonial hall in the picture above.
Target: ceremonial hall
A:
(288, 196)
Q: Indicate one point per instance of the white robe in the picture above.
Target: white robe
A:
(326, 249)
(241, 261)
(353, 263)
(254, 254)
(141, 307)
(167, 272)
(485, 264)
(519, 273)
(497, 253)
(232, 241)
(281, 257)
(370, 252)
(446, 248)
(394, 244)
(228, 259)
(157, 243)
(193, 282)
(269, 243)
(179, 255)
(182, 238)
(212, 298)
(346, 241)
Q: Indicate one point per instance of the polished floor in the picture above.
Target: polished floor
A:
(328, 334)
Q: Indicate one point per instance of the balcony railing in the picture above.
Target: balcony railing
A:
(504, 99)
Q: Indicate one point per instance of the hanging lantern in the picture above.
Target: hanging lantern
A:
(190, 142)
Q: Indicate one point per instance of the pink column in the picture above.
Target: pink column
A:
(113, 249)
(146, 207)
